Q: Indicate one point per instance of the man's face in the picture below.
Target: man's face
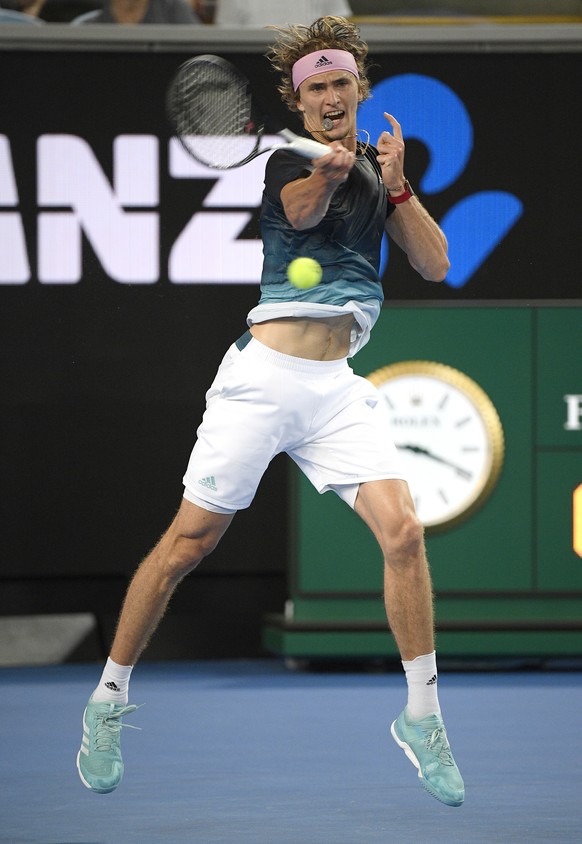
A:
(331, 96)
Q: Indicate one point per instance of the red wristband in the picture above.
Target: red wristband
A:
(396, 200)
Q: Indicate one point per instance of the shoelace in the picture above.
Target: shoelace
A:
(108, 727)
(438, 744)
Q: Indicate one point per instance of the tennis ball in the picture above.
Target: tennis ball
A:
(304, 273)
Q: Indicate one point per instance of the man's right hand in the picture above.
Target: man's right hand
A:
(335, 167)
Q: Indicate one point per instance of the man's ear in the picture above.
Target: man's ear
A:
(300, 106)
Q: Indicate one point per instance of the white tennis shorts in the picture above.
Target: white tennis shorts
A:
(331, 422)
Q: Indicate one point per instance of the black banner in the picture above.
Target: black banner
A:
(126, 269)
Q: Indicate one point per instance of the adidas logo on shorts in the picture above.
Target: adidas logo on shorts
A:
(209, 482)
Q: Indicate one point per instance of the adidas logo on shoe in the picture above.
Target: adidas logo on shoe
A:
(432, 680)
(322, 62)
(112, 686)
(209, 482)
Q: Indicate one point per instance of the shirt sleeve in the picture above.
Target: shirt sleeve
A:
(284, 167)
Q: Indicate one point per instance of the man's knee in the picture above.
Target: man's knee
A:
(178, 553)
(405, 545)
(186, 553)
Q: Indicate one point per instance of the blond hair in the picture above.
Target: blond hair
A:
(328, 33)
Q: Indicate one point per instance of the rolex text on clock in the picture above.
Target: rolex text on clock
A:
(448, 434)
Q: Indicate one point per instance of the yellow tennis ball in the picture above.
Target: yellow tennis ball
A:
(304, 273)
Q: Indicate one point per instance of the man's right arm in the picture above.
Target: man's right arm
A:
(305, 201)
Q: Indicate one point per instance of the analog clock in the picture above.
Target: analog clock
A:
(449, 435)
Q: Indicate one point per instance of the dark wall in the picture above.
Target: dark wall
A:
(103, 379)
(104, 383)
(103, 391)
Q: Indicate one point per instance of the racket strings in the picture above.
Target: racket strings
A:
(212, 112)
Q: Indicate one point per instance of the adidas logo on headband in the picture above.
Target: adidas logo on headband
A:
(322, 62)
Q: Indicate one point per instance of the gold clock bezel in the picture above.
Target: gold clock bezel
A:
(485, 408)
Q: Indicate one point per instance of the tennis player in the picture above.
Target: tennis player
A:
(286, 386)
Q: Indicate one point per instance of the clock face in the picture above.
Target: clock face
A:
(448, 434)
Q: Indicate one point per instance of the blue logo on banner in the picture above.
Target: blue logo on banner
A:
(433, 114)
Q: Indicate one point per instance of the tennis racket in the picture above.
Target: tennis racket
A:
(214, 114)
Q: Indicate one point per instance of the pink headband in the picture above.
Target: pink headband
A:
(320, 62)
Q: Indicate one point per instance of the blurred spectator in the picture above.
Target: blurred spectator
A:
(140, 11)
(21, 11)
(260, 13)
(45, 11)
(11, 16)
(30, 7)
(205, 9)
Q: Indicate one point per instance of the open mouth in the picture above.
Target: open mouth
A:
(331, 119)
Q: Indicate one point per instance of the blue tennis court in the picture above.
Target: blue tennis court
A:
(249, 752)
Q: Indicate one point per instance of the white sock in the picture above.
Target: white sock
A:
(113, 684)
(421, 676)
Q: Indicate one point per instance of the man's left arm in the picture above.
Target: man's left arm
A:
(414, 230)
(410, 225)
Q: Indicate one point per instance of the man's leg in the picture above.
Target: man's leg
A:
(388, 510)
(193, 534)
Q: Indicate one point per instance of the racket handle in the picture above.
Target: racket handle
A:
(304, 146)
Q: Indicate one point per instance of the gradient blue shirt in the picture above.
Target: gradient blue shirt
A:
(346, 242)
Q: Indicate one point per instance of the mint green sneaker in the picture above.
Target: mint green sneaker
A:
(426, 745)
(99, 760)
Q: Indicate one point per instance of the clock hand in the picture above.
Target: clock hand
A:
(417, 449)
